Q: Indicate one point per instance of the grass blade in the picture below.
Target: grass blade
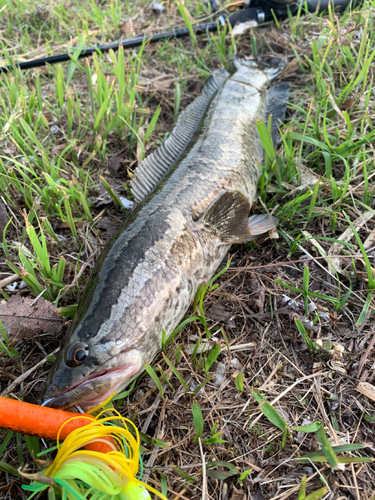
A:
(198, 419)
(337, 449)
(114, 196)
(212, 357)
(239, 382)
(9, 469)
(183, 474)
(266, 139)
(327, 448)
(318, 494)
(202, 384)
(152, 124)
(218, 474)
(176, 372)
(32, 444)
(268, 411)
(155, 378)
(5, 442)
(305, 335)
(371, 280)
(185, 15)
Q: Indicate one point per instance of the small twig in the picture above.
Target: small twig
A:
(180, 495)
(355, 483)
(296, 383)
(204, 477)
(326, 420)
(286, 391)
(240, 347)
(152, 411)
(37, 298)
(8, 280)
(24, 376)
(270, 377)
(364, 357)
(249, 464)
(75, 280)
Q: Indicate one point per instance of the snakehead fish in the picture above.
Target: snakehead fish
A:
(194, 195)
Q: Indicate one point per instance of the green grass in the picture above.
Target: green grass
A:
(330, 138)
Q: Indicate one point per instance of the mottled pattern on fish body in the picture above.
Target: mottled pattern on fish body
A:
(147, 279)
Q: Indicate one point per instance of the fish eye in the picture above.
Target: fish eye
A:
(77, 354)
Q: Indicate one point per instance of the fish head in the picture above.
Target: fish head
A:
(86, 372)
(130, 297)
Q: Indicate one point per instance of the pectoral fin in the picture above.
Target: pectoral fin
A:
(228, 218)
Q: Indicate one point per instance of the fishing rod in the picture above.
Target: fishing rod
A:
(264, 11)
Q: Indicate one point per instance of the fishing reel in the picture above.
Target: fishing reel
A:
(309, 5)
(265, 10)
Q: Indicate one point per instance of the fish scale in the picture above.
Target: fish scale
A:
(194, 195)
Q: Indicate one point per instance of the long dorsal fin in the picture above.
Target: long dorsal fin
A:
(153, 168)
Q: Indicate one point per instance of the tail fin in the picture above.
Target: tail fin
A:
(272, 66)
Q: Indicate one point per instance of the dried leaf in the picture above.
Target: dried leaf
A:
(337, 366)
(24, 318)
(242, 28)
(109, 226)
(78, 223)
(195, 87)
(57, 149)
(238, 494)
(369, 241)
(4, 219)
(367, 390)
(50, 118)
(217, 312)
(259, 297)
(114, 162)
(308, 324)
(273, 234)
(292, 68)
(203, 347)
(126, 28)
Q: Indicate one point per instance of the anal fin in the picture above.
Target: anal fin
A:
(228, 218)
(277, 102)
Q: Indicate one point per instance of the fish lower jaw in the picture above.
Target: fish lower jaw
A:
(96, 400)
(84, 394)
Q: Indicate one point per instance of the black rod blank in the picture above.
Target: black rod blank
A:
(128, 43)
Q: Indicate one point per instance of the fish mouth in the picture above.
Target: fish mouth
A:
(93, 389)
